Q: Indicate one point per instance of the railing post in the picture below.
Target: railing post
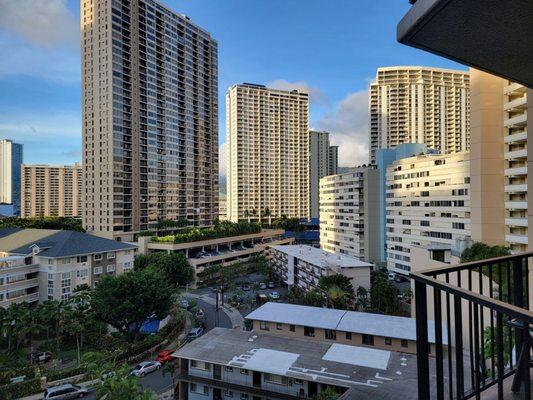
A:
(422, 352)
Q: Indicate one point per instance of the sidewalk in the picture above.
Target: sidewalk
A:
(233, 314)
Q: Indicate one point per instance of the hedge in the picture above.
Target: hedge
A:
(12, 372)
(52, 376)
(22, 389)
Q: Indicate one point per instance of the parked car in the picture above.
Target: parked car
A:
(399, 278)
(200, 254)
(66, 391)
(391, 276)
(145, 367)
(185, 303)
(39, 357)
(271, 285)
(195, 333)
(262, 286)
(165, 356)
(246, 287)
(274, 295)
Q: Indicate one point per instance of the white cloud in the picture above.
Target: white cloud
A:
(47, 23)
(348, 124)
(222, 159)
(315, 94)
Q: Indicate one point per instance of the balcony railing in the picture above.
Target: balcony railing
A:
(484, 309)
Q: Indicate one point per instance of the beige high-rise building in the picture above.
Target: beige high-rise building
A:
(420, 105)
(150, 129)
(499, 160)
(322, 162)
(51, 191)
(268, 153)
(350, 214)
(428, 204)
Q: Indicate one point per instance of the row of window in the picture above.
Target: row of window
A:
(330, 334)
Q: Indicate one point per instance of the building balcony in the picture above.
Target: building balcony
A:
(521, 188)
(517, 121)
(516, 104)
(516, 222)
(516, 205)
(514, 238)
(483, 308)
(513, 155)
(517, 171)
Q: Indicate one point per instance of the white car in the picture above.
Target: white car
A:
(274, 295)
(66, 391)
(145, 367)
(391, 276)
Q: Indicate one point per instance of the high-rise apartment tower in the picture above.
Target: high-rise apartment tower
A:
(150, 148)
(420, 105)
(268, 153)
(11, 158)
(322, 162)
(51, 191)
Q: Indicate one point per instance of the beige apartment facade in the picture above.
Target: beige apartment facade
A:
(350, 214)
(51, 191)
(420, 105)
(267, 134)
(428, 203)
(150, 111)
(499, 162)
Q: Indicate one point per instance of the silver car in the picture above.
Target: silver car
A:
(145, 367)
(67, 391)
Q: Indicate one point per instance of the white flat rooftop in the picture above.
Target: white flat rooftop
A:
(342, 320)
(322, 258)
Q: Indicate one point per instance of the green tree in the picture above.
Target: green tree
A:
(51, 312)
(362, 300)
(481, 251)
(383, 294)
(326, 394)
(122, 386)
(170, 368)
(63, 223)
(174, 266)
(267, 213)
(314, 298)
(128, 300)
(338, 290)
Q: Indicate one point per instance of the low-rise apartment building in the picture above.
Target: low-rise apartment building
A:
(350, 214)
(19, 280)
(231, 365)
(57, 261)
(226, 250)
(428, 202)
(340, 326)
(301, 266)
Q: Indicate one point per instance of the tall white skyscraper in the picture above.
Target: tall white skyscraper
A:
(268, 153)
(420, 105)
(11, 158)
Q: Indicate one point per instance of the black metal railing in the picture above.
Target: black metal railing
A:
(483, 321)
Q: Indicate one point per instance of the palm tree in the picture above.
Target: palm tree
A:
(52, 312)
(268, 214)
(247, 215)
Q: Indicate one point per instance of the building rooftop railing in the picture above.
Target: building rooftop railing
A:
(484, 308)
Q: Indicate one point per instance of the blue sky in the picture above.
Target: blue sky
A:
(329, 48)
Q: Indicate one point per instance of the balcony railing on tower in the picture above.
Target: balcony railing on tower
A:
(484, 309)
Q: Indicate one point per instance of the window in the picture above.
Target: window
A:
(308, 331)
(199, 365)
(98, 270)
(298, 382)
(279, 326)
(331, 334)
(110, 256)
(264, 326)
(228, 393)
(111, 268)
(97, 257)
(82, 273)
(292, 328)
(348, 335)
(405, 343)
(229, 369)
(81, 259)
(127, 265)
(199, 389)
(368, 340)
(276, 379)
(244, 371)
(65, 260)
(388, 341)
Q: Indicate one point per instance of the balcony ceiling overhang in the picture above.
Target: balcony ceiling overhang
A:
(495, 36)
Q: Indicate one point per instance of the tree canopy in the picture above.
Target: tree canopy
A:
(338, 290)
(174, 266)
(481, 251)
(383, 294)
(63, 223)
(128, 300)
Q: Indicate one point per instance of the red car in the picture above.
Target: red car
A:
(165, 356)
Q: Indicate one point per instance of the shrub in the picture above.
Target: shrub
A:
(52, 376)
(12, 372)
(22, 389)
